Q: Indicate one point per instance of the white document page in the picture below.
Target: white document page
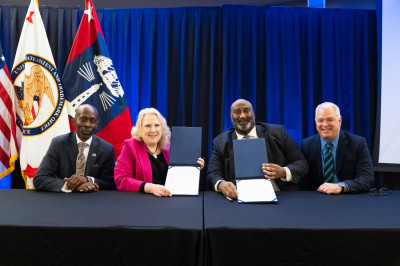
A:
(255, 190)
(183, 180)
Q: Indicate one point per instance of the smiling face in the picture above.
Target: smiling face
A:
(151, 130)
(328, 123)
(242, 116)
(85, 121)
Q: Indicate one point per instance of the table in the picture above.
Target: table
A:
(304, 228)
(102, 228)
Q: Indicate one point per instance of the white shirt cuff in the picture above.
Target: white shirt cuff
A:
(216, 186)
(64, 188)
(288, 177)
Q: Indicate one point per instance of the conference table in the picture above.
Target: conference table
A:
(102, 228)
(130, 228)
(304, 228)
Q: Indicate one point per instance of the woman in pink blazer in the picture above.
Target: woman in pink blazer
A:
(143, 162)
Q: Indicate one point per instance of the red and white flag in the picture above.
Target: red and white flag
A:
(41, 112)
(8, 139)
(90, 77)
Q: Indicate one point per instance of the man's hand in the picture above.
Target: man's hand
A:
(273, 171)
(75, 181)
(330, 188)
(88, 187)
(157, 190)
(228, 189)
(201, 162)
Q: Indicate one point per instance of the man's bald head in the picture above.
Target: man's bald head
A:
(242, 116)
(85, 121)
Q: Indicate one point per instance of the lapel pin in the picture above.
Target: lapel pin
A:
(94, 155)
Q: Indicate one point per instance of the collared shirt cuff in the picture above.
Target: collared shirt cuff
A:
(64, 188)
(216, 186)
(288, 177)
(91, 179)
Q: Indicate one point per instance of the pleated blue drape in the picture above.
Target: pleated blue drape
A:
(288, 60)
(192, 63)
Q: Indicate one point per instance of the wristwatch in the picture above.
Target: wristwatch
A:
(90, 179)
(342, 186)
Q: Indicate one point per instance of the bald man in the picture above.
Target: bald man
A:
(287, 164)
(66, 168)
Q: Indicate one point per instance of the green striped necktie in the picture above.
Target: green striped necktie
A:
(329, 168)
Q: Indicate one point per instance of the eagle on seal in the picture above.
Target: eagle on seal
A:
(36, 84)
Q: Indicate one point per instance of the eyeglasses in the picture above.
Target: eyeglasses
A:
(379, 192)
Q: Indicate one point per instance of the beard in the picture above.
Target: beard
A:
(246, 127)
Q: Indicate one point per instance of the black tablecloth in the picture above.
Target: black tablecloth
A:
(102, 228)
(304, 228)
(127, 228)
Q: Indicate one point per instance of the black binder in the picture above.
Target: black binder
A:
(185, 146)
(249, 155)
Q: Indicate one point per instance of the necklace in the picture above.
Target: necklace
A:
(152, 153)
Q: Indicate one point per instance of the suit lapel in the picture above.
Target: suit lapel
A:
(261, 133)
(91, 155)
(232, 137)
(72, 150)
(342, 144)
(316, 144)
(144, 161)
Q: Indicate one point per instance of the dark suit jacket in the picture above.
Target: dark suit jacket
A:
(281, 150)
(60, 162)
(353, 163)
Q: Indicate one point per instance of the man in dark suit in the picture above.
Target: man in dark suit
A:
(352, 169)
(287, 165)
(62, 171)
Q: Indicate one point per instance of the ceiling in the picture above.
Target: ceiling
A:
(160, 3)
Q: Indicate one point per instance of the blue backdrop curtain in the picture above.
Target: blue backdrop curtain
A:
(288, 60)
(192, 63)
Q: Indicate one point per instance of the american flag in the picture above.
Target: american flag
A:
(8, 142)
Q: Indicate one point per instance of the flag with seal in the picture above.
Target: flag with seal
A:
(40, 114)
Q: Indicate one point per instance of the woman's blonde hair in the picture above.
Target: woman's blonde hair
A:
(165, 131)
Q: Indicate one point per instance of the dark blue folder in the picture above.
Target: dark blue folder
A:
(185, 146)
(249, 155)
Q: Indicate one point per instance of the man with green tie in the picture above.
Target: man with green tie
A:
(339, 161)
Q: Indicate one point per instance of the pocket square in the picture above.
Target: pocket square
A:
(93, 154)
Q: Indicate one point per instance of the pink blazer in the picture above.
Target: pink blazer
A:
(133, 166)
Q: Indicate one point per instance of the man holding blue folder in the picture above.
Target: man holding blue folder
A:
(287, 164)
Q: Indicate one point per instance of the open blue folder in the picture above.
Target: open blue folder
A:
(253, 187)
(183, 175)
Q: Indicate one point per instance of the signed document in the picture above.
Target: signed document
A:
(253, 187)
(183, 180)
(255, 191)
